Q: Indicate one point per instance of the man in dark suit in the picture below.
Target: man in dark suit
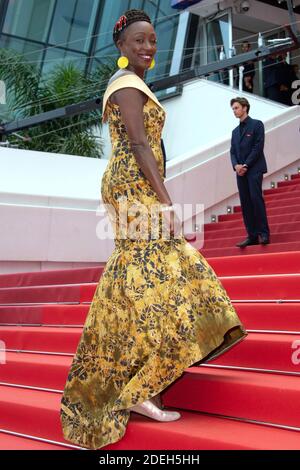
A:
(249, 163)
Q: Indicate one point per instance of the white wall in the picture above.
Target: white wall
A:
(49, 179)
(202, 116)
(207, 177)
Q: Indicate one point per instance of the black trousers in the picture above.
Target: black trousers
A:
(253, 204)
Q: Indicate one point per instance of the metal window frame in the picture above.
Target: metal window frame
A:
(43, 44)
(229, 13)
(3, 10)
(259, 54)
(175, 80)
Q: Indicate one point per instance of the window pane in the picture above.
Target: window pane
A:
(136, 4)
(150, 7)
(110, 14)
(165, 11)
(56, 57)
(166, 35)
(218, 35)
(73, 23)
(29, 18)
(32, 52)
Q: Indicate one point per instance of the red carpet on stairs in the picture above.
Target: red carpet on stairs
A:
(283, 210)
(248, 398)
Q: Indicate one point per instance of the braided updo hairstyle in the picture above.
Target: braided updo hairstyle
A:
(129, 17)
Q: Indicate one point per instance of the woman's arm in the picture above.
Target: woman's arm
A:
(131, 103)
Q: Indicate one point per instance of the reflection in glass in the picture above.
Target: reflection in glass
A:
(73, 23)
(55, 57)
(110, 13)
(29, 18)
(31, 51)
(70, 26)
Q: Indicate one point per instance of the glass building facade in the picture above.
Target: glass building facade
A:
(48, 32)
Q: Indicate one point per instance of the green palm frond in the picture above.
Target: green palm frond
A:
(20, 78)
(29, 93)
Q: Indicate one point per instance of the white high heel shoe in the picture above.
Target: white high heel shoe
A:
(149, 409)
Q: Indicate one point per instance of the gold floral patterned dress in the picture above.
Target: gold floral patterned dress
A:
(158, 307)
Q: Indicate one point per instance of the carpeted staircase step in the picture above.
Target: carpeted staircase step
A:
(47, 371)
(286, 211)
(238, 393)
(268, 316)
(277, 204)
(288, 183)
(206, 432)
(266, 287)
(32, 412)
(43, 338)
(231, 239)
(266, 351)
(76, 293)
(285, 286)
(255, 316)
(236, 220)
(272, 351)
(36, 413)
(266, 263)
(279, 196)
(263, 284)
(13, 442)
(46, 278)
(283, 209)
(254, 249)
(56, 314)
(276, 260)
(282, 190)
(239, 231)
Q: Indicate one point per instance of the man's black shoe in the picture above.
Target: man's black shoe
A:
(248, 241)
(265, 240)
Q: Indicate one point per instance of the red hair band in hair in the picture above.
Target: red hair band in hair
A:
(121, 23)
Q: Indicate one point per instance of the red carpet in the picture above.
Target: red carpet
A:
(248, 398)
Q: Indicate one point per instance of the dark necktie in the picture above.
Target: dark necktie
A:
(242, 127)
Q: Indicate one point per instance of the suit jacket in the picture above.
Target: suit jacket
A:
(248, 147)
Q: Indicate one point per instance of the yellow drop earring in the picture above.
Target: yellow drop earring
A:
(123, 62)
(152, 65)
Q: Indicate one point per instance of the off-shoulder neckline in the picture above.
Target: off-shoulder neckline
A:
(112, 87)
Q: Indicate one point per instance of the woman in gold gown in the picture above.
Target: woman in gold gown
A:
(159, 307)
